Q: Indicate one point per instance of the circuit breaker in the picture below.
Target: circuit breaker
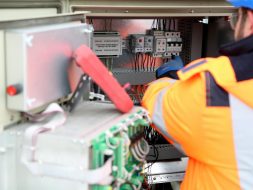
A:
(159, 45)
(137, 43)
(148, 43)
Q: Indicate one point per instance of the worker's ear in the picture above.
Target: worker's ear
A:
(250, 17)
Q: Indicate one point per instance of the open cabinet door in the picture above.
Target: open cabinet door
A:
(16, 54)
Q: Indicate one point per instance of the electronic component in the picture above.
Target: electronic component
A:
(137, 43)
(160, 44)
(157, 54)
(174, 44)
(96, 148)
(106, 44)
(164, 172)
(173, 36)
(125, 43)
(148, 43)
(156, 32)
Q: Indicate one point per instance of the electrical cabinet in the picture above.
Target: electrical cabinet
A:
(97, 148)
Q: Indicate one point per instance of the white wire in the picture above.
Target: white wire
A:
(145, 152)
(135, 155)
(140, 151)
(140, 148)
(139, 186)
(137, 151)
(127, 142)
(108, 142)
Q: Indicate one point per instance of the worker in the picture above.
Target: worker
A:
(208, 112)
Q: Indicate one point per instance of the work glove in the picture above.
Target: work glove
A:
(170, 68)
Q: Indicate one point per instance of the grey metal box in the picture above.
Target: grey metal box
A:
(37, 59)
(69, 145)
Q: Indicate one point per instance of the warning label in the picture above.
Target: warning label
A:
(107, 45)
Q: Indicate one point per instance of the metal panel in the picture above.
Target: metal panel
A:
(7, 117)
(164, 152)
(164, 172)
(167, 167)
(41, 21)
(196, 41)
(134, 78)
(10, 14)
(148, 9)
(165, 178)
(32, 4)
(37, 59)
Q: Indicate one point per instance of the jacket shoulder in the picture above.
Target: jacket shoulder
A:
(193, 68)
(201, 65)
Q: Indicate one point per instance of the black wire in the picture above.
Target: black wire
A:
(164, 24)
(111, 25)
(135, 66)
(153, 24)
(91, 21)
(105, 25)
(174, 24)
(137, 61)
(144, 61)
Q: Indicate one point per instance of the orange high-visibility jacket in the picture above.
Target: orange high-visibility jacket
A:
(208, 114)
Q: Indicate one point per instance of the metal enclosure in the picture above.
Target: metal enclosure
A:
(37, 57)
(69, 146)
(37, 60)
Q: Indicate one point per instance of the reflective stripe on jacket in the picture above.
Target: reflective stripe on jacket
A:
(208, 115)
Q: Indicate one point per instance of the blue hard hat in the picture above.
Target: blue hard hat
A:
(242, 3)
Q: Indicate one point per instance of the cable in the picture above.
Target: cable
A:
(145, 152)
(135, 155)
(108, 141)
(152, 26)
(127, 142)
(111, 25)
(138, 153)
(105, 24)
